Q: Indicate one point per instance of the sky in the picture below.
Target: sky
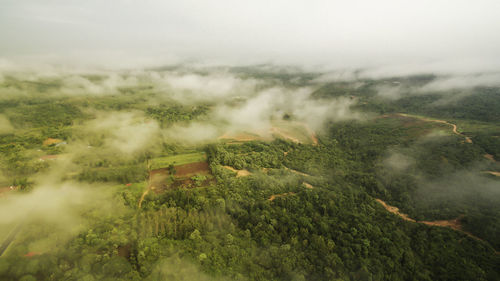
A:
(439, 34)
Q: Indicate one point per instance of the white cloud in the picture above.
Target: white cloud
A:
(126, 132)
(340, 34)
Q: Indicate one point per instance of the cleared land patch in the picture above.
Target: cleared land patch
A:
(239, 173)
(177, 160)
(51, 141)
(297, 132)
(241, 136)
(489, 157)
(186, 172)
(196, 168)
(5, 190)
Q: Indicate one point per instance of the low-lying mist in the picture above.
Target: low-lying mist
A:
(237, 102)
(438, 172)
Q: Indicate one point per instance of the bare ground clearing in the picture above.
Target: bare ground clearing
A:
(239, 173)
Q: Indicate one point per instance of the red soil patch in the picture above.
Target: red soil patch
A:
(51, 141)
(158, 178)
(312, 134)
(5, 190)
(31, 254)
(455, 224)
(314, 139)
(192, 169)
(395, 210)
(162, 171)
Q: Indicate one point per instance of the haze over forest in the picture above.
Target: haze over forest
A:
(249, 140)
(455, 36)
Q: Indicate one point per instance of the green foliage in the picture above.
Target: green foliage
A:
(45, 114)
(306, 212)
(167, 115)
(121, 174)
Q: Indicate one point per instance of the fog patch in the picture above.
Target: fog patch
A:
(258, 112)
(125, 132)
(177, 268)
(53, 202)
(347, 75)
(432, 136)
(397, 161)
(458, 188)
(463, 82)
(192, 133)
(194, 87)
(5, 125)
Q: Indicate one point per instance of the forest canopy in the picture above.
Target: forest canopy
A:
(247, 173)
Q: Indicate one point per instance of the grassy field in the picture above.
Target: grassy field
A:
(294, 131)
(181, 159)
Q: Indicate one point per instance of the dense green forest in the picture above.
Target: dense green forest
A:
(149, 180)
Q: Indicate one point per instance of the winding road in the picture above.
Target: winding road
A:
(453, 224)
(454, 127)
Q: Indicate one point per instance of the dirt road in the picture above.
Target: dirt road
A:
(274, 196)
(142, 197)
(395, 210)
(497, 174)
(453, 224)
(454, 127)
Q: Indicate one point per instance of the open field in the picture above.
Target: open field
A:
(297, 132)
(187, 170)
(239, 173)
(177, 160)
